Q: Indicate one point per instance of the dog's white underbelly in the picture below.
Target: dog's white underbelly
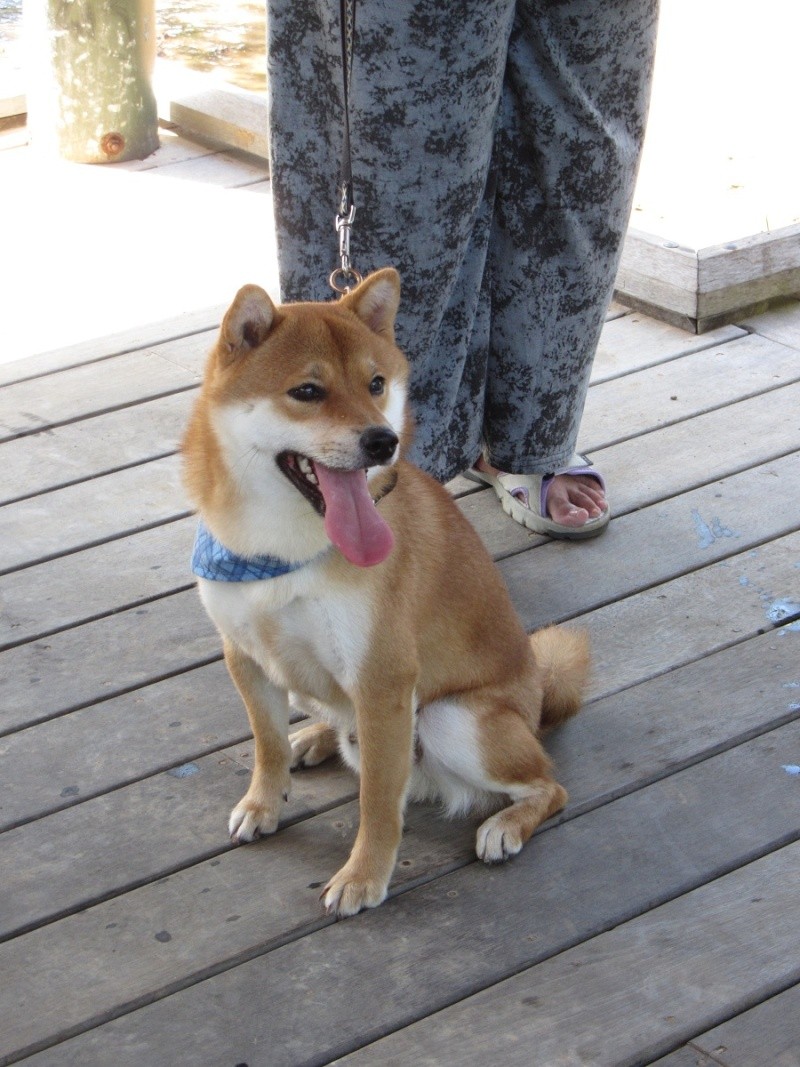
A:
(300, 631)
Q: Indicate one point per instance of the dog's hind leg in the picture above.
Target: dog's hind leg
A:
(267, 706)
(493, 750)
(518, 766)
(313, 744)
(503, 834)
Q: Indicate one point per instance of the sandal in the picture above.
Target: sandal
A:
(524, 498)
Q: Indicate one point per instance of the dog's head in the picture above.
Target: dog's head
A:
(306, 404)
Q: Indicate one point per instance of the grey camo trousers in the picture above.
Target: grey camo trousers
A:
(495, 145)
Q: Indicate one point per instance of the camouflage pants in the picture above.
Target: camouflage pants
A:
(495, 149)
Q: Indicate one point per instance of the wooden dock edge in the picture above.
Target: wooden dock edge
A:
(701, 290)
(231, 118)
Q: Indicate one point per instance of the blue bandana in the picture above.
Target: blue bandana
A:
(212, 560)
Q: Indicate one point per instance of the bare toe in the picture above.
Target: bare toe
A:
(572, 500)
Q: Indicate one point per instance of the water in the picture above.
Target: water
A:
(223, 36)
(219, 35)
(10, 19)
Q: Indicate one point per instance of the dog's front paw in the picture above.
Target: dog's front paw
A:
(252, 817)
(347, 893)
(313, 744)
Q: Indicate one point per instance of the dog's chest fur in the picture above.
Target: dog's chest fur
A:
(304, 631)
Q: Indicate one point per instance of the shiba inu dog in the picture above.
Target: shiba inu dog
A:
(337, 571)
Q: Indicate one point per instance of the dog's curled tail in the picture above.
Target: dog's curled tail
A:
(564, 660)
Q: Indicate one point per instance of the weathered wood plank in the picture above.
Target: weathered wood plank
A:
(130, 340)
(687, 1057)
(65, 760)
(747, 273)
(65, 592)
(768, 1033)
(781, 324)
(634, 342)
(131, 736)
(69, 394)
(638, 736)
(219, 170)
(748, 299)
(648, 547)
(73, 668)
(79, 392)
(677, 622)
(182, 925)
(147, 334)
(136, 833)
(121, 438)
(658, 277)
(615, 310)
(661, 842)
(12, 98)
(226, 116)
(700, 290)
(629, 1011)
(81, 450)
(685, 388)
(172, 148)
(80, 516)
(93, 744)
(665, 462)
(142, 832)
(722, 605)
(639, 471)
(656, 727)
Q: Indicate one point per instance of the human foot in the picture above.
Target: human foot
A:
(573, 499)
(571, 504)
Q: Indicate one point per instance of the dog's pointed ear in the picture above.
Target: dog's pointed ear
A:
(247, 322)
(376, 301)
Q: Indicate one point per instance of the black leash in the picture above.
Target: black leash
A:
(345, 277)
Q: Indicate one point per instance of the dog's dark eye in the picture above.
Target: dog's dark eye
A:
(377, 385)
(307, 391)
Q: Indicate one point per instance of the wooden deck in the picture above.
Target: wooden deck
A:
(658, 916)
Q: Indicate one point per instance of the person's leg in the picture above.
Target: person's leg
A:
(426, 87)
(425, 96)
(567, 150)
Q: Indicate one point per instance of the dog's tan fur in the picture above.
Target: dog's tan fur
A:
(425, 679)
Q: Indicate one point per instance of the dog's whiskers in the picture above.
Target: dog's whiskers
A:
(242, 464)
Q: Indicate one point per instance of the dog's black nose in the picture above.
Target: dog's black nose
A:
(378, 444)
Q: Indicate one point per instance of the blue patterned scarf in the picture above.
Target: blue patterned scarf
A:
(212, 560)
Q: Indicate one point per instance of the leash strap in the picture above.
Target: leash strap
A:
(345, 277)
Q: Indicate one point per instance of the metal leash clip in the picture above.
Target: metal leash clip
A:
(345, 277)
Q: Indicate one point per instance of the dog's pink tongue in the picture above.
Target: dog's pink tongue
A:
(352, 521)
